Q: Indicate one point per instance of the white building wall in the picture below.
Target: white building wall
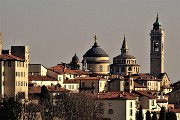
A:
(121, 109)
(130, 110)
(21, 77)
(74, 87)
(2, 78)
(46, 83)
(103, 85)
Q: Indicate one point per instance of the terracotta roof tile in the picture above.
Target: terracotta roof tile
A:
(37, 89)
(41, 78)
(62, 70)
(87, 78)
(10, 57)
(116, 95)
(70, 81)
(175, 110)
(161, 101)
(137, 85)
(144, 93)
(145, 76)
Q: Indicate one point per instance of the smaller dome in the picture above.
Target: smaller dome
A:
(75, 59)
(124, 57)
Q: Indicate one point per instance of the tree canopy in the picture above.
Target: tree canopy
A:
(139, 115)
(44, 93)
(148, 115)
(162, 115)
(10, 109)
(154, 117)
(171, 116)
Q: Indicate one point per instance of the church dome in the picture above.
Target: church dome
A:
(75, 59)
(95, 51)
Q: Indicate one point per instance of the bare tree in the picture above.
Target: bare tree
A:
(77, 106)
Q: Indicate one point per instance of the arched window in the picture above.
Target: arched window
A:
(130, 68)
(122, 69)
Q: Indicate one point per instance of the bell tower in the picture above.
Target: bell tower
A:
(0, 43)
(157, 48)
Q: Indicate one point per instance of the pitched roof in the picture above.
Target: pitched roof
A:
(116, 95)
(161, 101)
(175, 110)
(41, 78)
(144, 93)
(145, 76)
(70, 81)
(10, 57)
(37, 89)
(61, 69)
(87, 78)
(137, 85)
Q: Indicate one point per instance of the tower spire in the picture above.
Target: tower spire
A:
(124, 45)
(124, 48)
(157, 17)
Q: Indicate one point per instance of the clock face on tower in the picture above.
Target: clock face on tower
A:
(156, 46)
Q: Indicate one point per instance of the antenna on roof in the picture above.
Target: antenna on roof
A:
(95, 38)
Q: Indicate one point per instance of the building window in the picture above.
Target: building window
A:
(101, 111)
(130, 68)
(21, 74)
(156, 46)
(117, 69)
(83, 84)
(122, 69)
(107, 68)
(111, 70)
(90, 67)
(9, 63)
(92, 85)
(110, 111)
(72, 86)
(65, 86)
(131, 112)
(152, 102)
(100, 68)
(131, 104)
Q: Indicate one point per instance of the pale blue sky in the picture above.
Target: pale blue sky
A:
(57, 29)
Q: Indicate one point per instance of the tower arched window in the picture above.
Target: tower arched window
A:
(156, 46)
(117, 69)
(130, 68)
(122, 69)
